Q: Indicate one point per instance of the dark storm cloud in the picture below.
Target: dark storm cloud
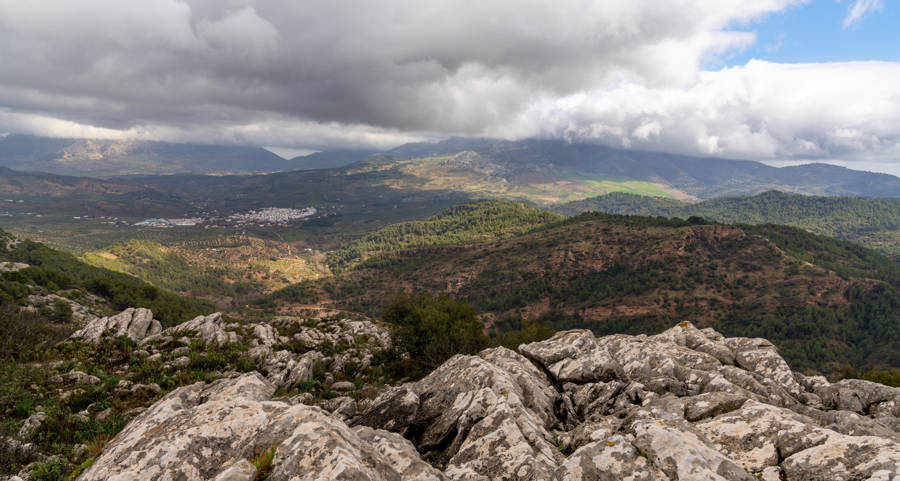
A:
(320, 73)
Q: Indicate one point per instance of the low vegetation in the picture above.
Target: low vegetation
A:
(51, 270)
(229, 269)
(464, 224)
(871, 222)
(826, 303)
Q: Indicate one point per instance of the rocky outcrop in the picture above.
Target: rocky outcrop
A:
(208, 329)
(12, 266)
(286, 351)
(684, 404)
(133, 323)
(203, 432)
(81, 313)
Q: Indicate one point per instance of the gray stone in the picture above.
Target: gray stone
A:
(182, 361)
(13, 451)
(684, 404)
(199, 431)
(679, 452)
(181, 351)
(612, 459)
(343, 386)
(32, 424)
(73, 377)
(242, 470)
(135, 324)
(209, 329)
(846, 457)
(711, 404)
(759, 435)
(79, 451)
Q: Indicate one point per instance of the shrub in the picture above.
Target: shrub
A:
(52, 470)
(263, 463)
(62, 312)
(432, 329)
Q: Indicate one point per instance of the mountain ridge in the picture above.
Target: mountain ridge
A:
(872, 222)
(540, 170)
(103, 158)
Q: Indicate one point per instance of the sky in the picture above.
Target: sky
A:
(771, 80)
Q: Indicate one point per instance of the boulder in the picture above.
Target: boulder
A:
(133, 323)
(208, 329)
(32, 424)
(846, 457)
(208, 431)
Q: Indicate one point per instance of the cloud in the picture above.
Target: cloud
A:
(318, 74)
(857, 11)
(760, 110)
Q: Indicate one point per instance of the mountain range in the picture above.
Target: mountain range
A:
(103, 158)
(543, 171)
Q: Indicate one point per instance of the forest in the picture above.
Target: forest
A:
(872, 222)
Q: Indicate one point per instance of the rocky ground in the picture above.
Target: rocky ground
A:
(686, 404)
(111, 369)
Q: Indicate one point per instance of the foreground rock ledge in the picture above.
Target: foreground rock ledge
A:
(687, 404)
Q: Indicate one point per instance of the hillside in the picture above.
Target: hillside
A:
(329, 159)
(101, 158)
(548, 171)
(35, 192)
(411, 182)
(823, 302)
(228, 270)
(45, 292)
(479, 222)
(872, 222)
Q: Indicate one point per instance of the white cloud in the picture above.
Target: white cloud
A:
(762, 110)
(320, 73)
(857, 11)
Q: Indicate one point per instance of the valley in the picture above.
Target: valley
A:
(415, 218)
(336, 285)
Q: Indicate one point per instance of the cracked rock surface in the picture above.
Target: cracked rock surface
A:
(686, 404)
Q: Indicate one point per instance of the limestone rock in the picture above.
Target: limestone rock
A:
(687, 403)
(32, 424)
(612, 459)
(135, 324)
(209, 329)
(242, 470)
(202, 432)
(73, 377)
(15, 452)
(846, 457)
(490, 420)
(679, 452)
(574, 356)
(759, 435)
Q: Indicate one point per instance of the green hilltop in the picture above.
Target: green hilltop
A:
(872, 222)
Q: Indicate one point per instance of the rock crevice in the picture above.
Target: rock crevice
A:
(684, 404)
